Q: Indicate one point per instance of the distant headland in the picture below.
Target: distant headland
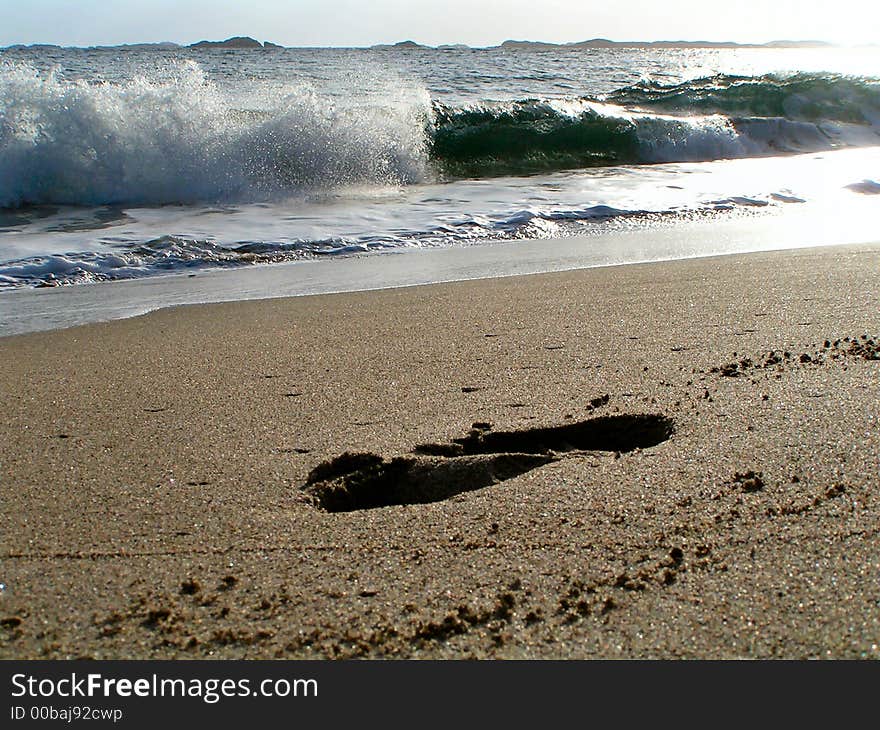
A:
(236, 42)
(247, 43)
(513, 45)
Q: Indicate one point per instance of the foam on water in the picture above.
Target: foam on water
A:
(116, 244)
(181, 138)
(184, 139)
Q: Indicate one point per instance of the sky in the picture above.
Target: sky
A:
(473, 22)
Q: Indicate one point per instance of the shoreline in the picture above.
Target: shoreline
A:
(154, 466)
(48, 309)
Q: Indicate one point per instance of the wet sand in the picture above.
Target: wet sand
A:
(662, 460)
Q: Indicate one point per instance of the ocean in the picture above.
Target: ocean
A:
(135, 179)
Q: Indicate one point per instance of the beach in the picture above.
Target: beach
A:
(674, 460)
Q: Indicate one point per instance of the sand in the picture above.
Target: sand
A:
(663, 460)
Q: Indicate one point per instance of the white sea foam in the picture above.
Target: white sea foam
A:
(183, 139)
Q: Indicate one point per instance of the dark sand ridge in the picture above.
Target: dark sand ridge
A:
(153, 470)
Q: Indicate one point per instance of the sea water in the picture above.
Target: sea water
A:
(151, 166)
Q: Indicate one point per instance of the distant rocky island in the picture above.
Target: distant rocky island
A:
(240, 42)
(605, 43)
(513, 45)
(402, 46)
(33, 47)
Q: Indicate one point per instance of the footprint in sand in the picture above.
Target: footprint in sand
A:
(482, 458)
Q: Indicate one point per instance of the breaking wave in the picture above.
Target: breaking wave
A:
(183, 140)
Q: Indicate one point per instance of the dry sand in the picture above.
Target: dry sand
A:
(152, 470)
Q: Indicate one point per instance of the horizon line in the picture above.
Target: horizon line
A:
(409, 43)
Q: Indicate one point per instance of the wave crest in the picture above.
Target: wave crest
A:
(184, 140)
(801, 97)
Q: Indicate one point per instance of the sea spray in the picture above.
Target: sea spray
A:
(183, 140)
